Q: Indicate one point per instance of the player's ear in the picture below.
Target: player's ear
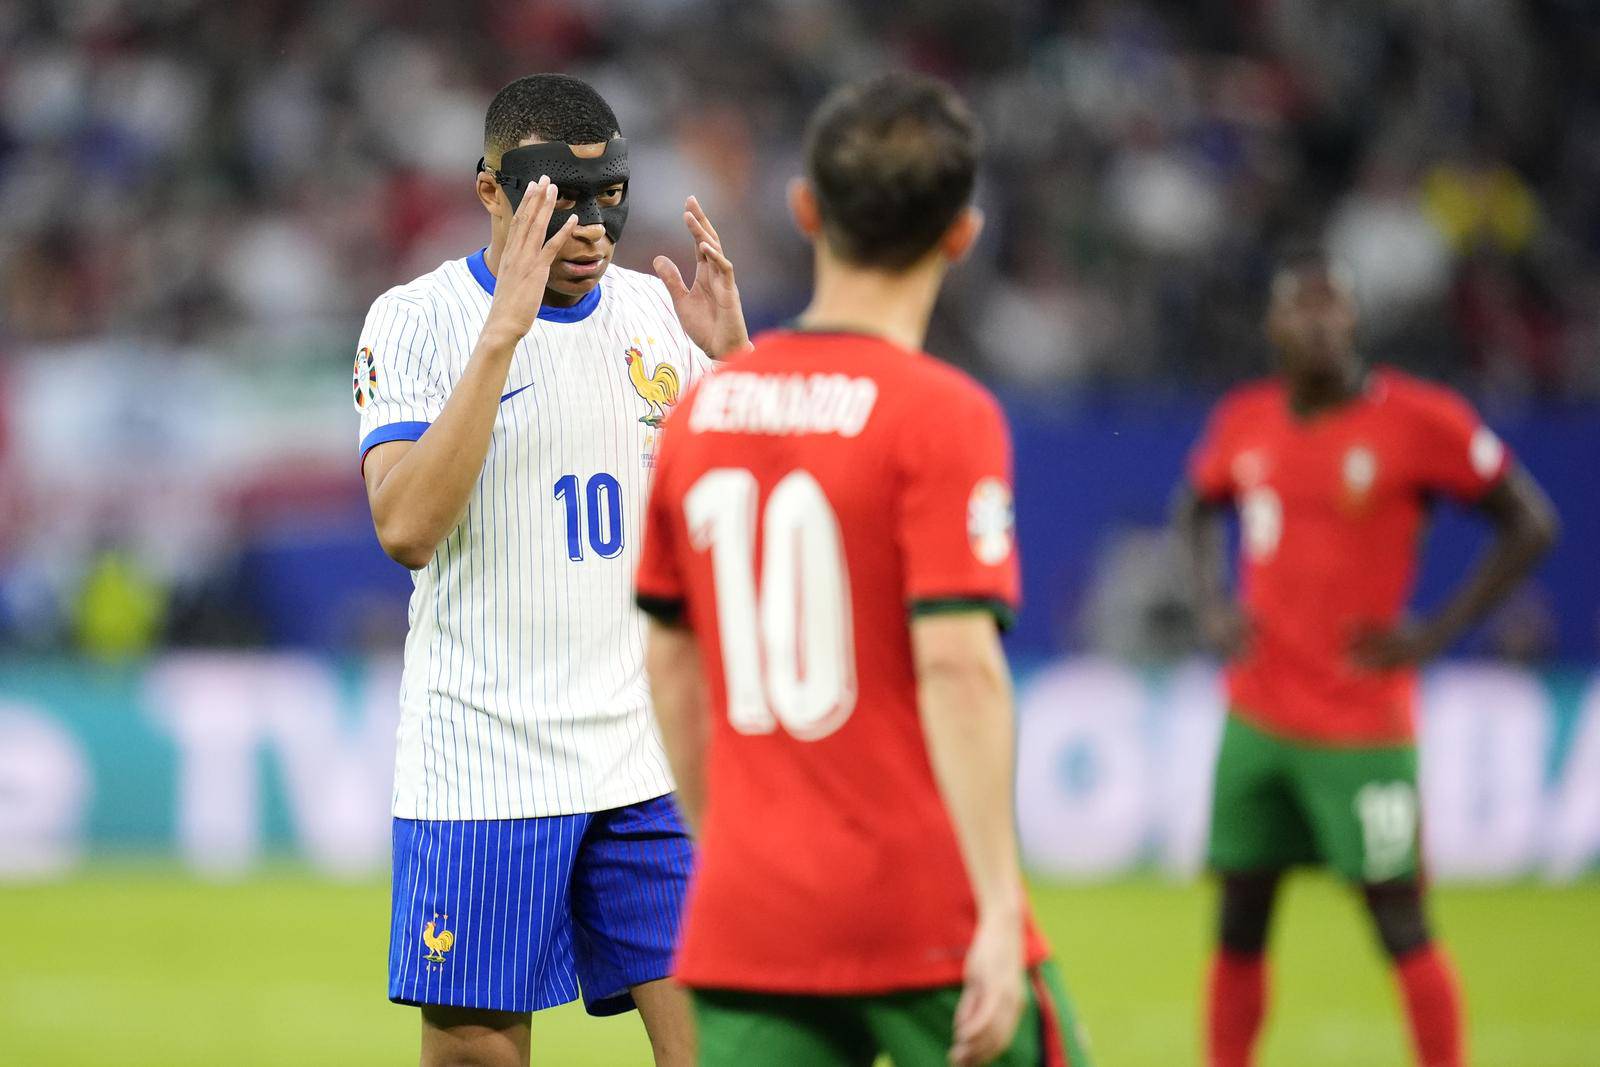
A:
(1272, 327)
(962, 234)
(803, 208)
(490, 196)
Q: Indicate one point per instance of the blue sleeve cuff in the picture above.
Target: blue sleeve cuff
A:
(395, 431)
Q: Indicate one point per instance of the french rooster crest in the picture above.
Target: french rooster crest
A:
(659, 390)
(439, 941)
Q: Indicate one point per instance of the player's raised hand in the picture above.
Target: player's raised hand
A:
(708, 307)
(525, 263)
(991, 993)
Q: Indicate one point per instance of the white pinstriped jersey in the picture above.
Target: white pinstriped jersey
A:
(523, 692)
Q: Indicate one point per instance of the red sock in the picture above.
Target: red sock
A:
(1237, 1004)
(1433, 1006)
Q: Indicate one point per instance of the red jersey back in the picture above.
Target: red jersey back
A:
(1331, 511)
(806, 498)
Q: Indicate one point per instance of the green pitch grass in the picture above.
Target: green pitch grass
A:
(144, 969)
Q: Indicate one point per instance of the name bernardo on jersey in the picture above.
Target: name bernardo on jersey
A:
(809, 499)
(783, 404)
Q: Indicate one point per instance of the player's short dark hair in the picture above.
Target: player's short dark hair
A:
(893, 160)
(551, 107)
(1297, 260)
(1302, 257)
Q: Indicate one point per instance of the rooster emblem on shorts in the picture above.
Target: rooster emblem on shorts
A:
(659, 390)
(438, 942)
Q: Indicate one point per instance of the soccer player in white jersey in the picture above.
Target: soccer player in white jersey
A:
(510, 405)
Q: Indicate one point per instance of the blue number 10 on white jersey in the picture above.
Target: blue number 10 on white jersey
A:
(601, 500)
(523, 691)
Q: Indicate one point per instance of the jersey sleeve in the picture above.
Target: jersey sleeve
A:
(1456, 454)
(1211, 459)
(955, 521)
(399, 383)
(659, 583)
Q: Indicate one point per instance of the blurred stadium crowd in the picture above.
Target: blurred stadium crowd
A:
(199, 200)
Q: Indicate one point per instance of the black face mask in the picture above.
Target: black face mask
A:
(580, 180)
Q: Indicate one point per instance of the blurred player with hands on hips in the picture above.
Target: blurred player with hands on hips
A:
(510, 407)
(828, 562)
(1331, 468)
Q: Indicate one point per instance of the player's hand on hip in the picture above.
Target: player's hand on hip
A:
(1405, 645)
(708, 307)
(1224, 629)
(525, 263)
(991, 995)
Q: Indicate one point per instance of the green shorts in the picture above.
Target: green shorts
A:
(738, 1029)
(1280, 803)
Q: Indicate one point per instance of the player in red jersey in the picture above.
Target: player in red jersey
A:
(827, 555)
(1332, 469)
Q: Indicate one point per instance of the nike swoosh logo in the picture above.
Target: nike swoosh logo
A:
(514, 392)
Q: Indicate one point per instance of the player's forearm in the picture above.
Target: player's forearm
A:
(735, 346)
(964, 695)
(672, 664)
(421, 499)
(1526, 528)
(1492, 580)
(1200, 548)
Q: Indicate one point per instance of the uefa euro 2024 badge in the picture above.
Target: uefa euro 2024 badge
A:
(365, 380)
(990, 521)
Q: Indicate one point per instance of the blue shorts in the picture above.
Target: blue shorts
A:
(520, 914)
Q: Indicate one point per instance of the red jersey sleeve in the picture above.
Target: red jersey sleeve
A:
(658, 585)
(1456, 454)
(955, 521)
(1211, 460)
